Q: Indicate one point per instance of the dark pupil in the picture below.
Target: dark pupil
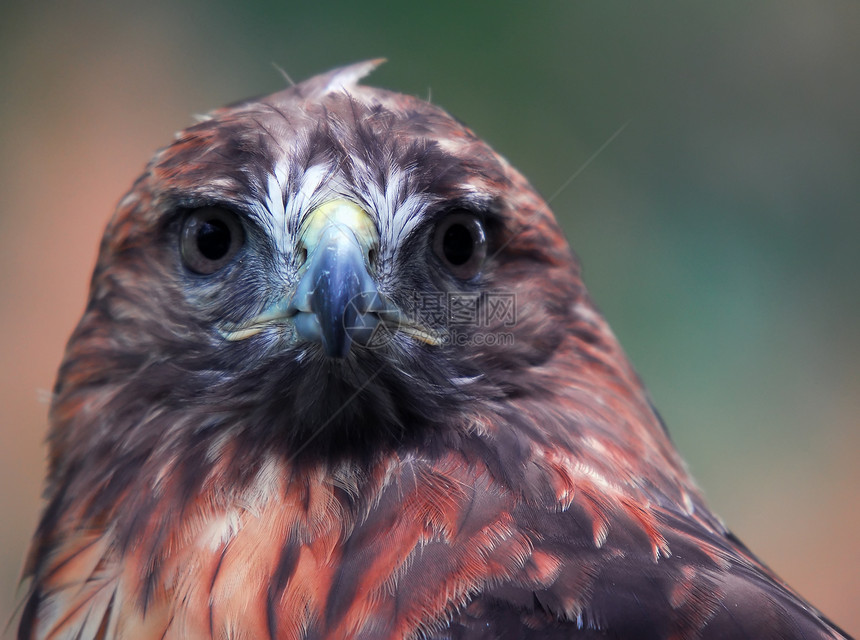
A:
(458, 244)
(213, 239)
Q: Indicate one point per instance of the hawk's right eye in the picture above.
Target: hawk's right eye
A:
(210, 237)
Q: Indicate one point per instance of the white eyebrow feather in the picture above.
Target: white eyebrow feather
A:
(396, 216)
(274, 213)
(396, 211)
(284, 205)
(316, 186)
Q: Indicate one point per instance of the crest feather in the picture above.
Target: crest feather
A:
(340, 79)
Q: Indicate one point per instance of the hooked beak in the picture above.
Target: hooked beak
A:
(336, 292)
(337, 301)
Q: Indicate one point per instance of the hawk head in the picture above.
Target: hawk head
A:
(329, 266)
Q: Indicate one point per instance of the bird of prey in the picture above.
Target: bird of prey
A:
(338, 377)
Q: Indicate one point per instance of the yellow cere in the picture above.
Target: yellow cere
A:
(343, 214)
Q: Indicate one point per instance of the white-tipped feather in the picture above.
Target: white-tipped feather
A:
(347, 77)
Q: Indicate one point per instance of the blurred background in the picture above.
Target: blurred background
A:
(718, 231)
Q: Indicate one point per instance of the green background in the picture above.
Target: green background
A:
(718, 231)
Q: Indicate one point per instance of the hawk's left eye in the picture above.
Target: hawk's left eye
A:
(460, 243)
(210, 238)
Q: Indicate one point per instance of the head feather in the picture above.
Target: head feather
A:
(340, 79)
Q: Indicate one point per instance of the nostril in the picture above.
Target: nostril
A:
(371, 256)
(301, 256)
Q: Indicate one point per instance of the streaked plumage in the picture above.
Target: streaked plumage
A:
(219, 469)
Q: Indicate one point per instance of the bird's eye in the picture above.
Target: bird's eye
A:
(461, 243)
(211, 236)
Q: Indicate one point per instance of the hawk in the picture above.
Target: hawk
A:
(338, 377)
